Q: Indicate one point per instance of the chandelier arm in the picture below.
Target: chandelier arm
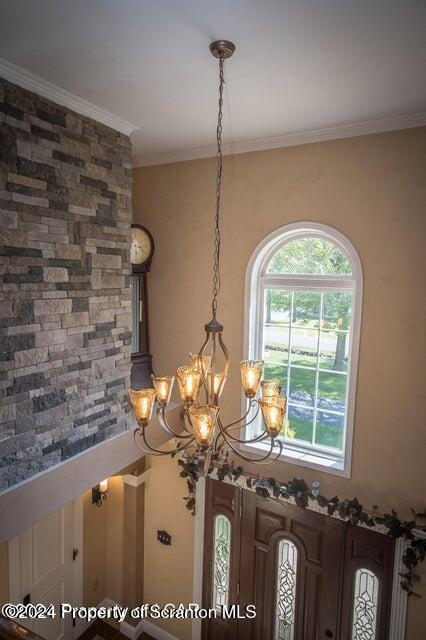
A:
(226, 355)
(253, 402)
(163, 422)
(258, 438)
(270, 460)
(225, 430)
(200, 364)
(261, 460)
(140, 431)
(211, 373)
(187, 421)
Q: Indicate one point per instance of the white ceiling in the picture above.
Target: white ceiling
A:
(299, 65)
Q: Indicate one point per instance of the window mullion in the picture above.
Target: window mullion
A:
(277, 281)
(289, 344)
(260, 345)
(314, 429)
(255, 427)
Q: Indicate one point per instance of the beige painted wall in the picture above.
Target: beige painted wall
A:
(103, 545)
(114, 539)
(4, 573)
(372, 189)
(168, 569)
(94, 551)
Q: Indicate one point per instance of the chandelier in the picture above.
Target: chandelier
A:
(202, 380)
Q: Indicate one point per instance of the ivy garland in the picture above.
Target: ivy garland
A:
(297, 489)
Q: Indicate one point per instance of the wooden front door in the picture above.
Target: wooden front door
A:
(309, 576)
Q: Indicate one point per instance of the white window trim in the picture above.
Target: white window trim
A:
(256, 278)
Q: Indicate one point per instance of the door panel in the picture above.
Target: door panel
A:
(318, 541)
(46, 570)
(373, 552)
(48, 545)
(48, 628)
(52, 574)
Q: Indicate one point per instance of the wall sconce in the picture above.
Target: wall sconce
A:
(99, 493)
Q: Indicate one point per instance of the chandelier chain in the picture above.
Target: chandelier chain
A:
(219, 161)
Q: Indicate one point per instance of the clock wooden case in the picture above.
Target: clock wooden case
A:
(141, 253)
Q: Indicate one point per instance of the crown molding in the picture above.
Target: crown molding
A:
(53, 92)
(380, 125)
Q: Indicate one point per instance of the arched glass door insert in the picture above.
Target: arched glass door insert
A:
(365, 605)
(285, 607)
(221, 561)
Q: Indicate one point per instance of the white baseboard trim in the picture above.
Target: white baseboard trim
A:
(157, 632)
(130, 631)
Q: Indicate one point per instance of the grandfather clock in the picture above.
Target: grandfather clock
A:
(141, 252)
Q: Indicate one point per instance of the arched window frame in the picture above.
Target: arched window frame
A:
(257, 279)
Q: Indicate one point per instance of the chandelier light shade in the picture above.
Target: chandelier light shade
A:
(273, 413)
(143, 404)
(188, 383)
(270, 387)
(202, 380)
(218, 384)
(251, 373)
(163, 389)
(203, 420)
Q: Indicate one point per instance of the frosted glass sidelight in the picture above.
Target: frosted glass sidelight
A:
(221, 561)
(285, 607)
(364, 605)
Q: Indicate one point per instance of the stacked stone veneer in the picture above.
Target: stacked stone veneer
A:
(65, 214)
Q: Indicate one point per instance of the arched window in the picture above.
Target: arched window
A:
(303, 311)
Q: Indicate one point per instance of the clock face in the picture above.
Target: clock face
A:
(141, 246)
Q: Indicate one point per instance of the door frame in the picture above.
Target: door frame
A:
(197, 592)
(77, 543)
(398, 614)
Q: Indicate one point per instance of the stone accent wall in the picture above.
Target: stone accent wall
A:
(65, 214)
